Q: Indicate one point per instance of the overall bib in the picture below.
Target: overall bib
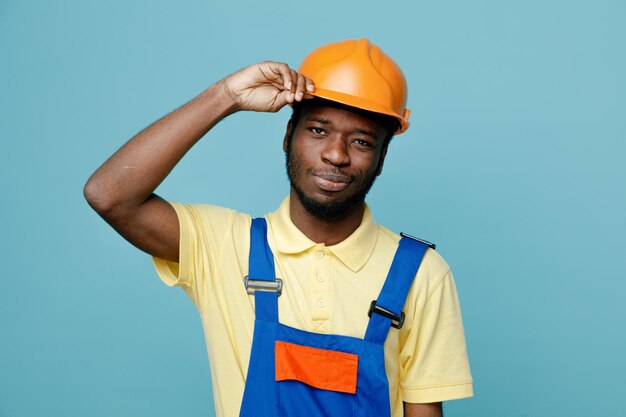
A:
(297, 373)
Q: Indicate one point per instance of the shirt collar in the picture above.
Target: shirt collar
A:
(354, 251)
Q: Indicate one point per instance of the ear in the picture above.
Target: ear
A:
(381, 161)
(288, 135)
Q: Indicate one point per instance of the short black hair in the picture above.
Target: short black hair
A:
(389, 123)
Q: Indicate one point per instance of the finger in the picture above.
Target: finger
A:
(283, 98)
(310, 86)
(294, 76)
(300, 87)
(285, 72)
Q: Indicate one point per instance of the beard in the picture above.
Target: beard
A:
(335, 210)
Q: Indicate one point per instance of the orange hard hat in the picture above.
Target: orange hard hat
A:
(359, 74)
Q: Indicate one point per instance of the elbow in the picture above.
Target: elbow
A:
(107, 200)
(97, 197)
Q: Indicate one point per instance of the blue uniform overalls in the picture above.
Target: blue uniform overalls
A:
(297, 373)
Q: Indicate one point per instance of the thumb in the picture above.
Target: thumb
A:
(281, 99)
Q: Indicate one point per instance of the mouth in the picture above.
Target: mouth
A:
(332, 183)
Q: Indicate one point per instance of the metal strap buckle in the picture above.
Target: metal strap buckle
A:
(396, 321)
(253, 285)
(431, 244)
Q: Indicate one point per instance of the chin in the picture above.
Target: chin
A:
(328, 207)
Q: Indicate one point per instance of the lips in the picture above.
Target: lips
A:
(331, 183)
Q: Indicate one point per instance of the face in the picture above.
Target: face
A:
(333, 157)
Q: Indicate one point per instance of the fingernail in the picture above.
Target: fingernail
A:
(299, 96)
(310, 87)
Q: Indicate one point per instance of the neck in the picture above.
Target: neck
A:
(327, 231)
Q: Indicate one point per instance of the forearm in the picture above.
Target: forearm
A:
(130, 176)
(423, 410)
(121, 190)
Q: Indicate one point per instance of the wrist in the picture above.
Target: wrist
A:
(226, 97)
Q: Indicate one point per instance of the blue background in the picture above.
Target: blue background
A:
(514, 165)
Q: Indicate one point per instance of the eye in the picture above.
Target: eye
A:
(317, 130)
(363, 142)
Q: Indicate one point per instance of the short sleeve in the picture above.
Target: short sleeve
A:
(202, 231)
(433, 358)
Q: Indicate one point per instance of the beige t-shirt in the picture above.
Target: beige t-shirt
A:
(327, 289)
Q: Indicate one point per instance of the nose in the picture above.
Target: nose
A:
(336, 151)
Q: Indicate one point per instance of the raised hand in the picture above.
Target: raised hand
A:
(266, 87)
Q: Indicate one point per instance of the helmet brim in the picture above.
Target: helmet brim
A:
(360, 103)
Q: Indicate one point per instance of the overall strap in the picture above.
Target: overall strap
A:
(261, 280)
(393, 295)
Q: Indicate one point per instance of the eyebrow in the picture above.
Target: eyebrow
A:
(368, 133)
(328, 122)
(318, 119)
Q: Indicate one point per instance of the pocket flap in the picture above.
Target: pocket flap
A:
(319, 368)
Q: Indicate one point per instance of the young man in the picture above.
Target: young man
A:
(316, 341)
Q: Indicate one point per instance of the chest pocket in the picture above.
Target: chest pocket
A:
(315, 382)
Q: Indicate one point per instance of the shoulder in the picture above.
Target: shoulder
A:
(202, 210)
(433, 267)
(211, 218)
